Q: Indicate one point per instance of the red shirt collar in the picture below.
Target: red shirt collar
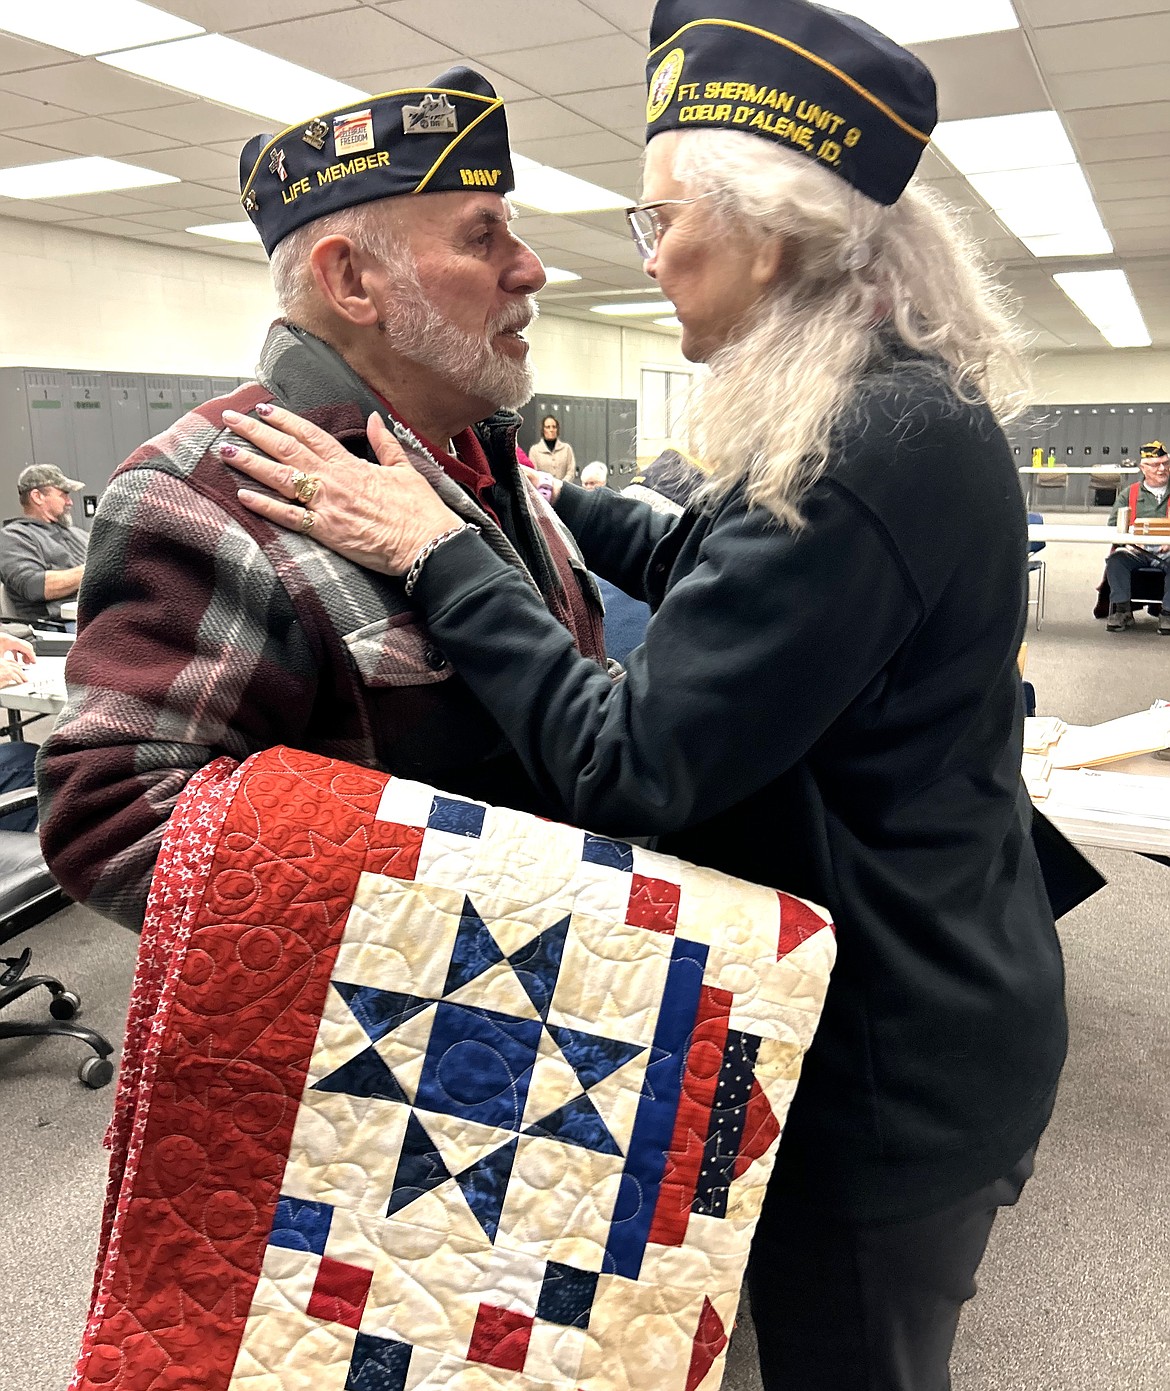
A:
(468, 466)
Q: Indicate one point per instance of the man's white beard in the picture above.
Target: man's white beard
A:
(414, 328)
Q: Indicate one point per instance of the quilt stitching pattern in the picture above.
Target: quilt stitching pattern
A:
(445, 1095)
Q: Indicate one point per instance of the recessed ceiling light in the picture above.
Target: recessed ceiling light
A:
(991, 144)
(235, 74)
(551, 190)
(1106, 299)
(633, 309)
(553, 275)
(69, 178)
(229, 231)
(922, 21)
(92, 26)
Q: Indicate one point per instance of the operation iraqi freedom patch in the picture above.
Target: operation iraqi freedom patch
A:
(663, 84)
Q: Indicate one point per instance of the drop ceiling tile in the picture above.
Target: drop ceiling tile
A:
(572, 150)
(107, 226)
(1098, 122)
(104, 205)
(477, 29)
(393, 79)
(590, 65)
(14, 153)
(632, 16)
(1107, 43)
(984, 75)
(28, 210)
(191, 197)
(624, 176)
(18, 55)
(1109, 174)
(1139, 212)
(24, 114)
(339, 44)
(540, 118)
(93, 136)
(621, 108)
(1123, 86)
(1154, 144)
(226, 15)
(89, 86)
(194, 163)
(199, 123)
(1044, 13)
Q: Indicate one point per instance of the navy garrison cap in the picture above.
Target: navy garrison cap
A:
(808, 78)
(450, 136)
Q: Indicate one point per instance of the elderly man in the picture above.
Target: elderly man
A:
(594, 475)
(1149, 498)
(42, 553)
(207, 631)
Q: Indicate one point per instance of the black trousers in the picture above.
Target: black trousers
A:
(867, 1307)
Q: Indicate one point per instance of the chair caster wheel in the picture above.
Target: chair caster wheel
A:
(96, 1072)
(65, 1005)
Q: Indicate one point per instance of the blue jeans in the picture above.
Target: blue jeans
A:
(1121, 566)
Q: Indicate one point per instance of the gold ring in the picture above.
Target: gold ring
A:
(305, 487)
(307, 522)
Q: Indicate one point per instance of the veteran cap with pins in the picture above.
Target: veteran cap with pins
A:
(449, 136)
(1153, 451)
(807, 78)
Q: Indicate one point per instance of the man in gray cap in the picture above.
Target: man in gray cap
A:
(42, 553)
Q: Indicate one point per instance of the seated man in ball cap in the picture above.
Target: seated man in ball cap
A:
(1147, 498)
(41, 552)
(206, 630)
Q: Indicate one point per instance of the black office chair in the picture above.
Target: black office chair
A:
(28, 895)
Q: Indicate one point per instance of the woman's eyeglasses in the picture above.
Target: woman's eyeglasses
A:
(646, 226)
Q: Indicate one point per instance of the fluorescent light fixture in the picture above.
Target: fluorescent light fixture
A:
(551, 190)
(553, 275)
(92, 26)
(68, 178)
(992, 144)
(235, 74)
(922, 21)
(242, 232)
(671, 321)
(632, 309)
(1025, 169)
(1106, 299)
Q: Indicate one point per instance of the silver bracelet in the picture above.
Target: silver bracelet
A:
(427, 551)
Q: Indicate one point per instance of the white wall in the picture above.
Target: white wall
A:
(1129, 374)
(76, 300)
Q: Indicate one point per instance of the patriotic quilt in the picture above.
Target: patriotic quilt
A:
(418, 1092)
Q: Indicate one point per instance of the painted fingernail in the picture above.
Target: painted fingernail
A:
(228, 451)
(264, 408)
(232, 415)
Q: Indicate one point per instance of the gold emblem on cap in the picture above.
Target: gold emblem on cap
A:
(663, 84)
(434, 115)
(316, 133)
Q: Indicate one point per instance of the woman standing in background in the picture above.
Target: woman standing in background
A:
(551, 454)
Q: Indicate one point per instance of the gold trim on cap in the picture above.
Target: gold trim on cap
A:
(358, 106)
(483, 115)
(812, 58)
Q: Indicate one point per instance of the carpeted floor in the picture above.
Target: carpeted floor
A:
(1075, 1290)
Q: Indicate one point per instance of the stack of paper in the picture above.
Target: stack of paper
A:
(1083, 746)
(1040, 733)
(1037, 769)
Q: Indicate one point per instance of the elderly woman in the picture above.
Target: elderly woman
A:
(827, 696)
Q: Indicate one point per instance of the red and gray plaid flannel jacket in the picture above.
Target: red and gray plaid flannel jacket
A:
(205, 630)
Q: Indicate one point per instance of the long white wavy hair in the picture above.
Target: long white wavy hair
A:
(853, 272)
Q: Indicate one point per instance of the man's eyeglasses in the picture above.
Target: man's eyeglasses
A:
(646, 226)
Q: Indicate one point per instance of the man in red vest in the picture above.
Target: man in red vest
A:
(1149, 498)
